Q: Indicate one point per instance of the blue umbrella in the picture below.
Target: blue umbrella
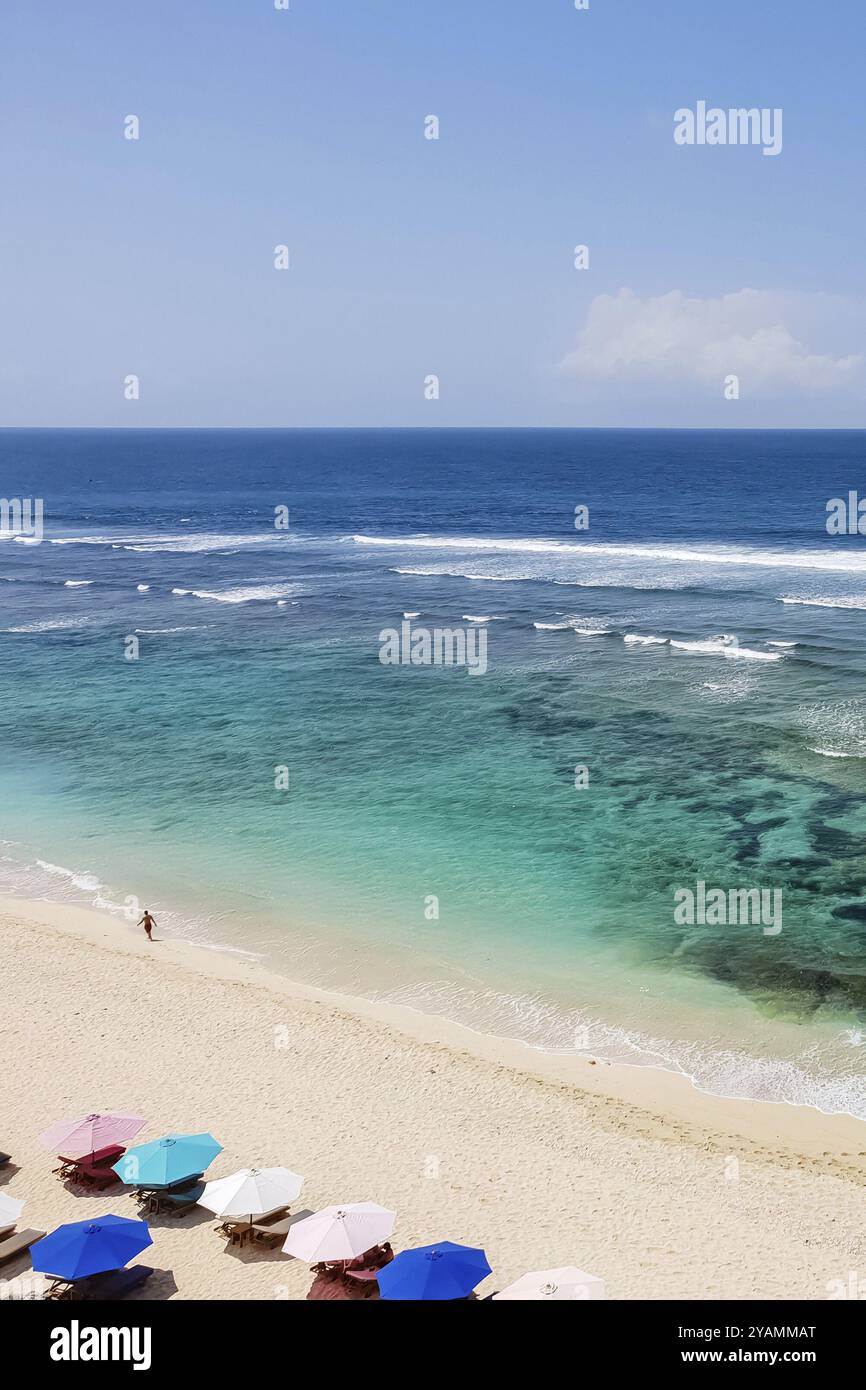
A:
(434, 1272)
(165, 1161)
(90, 1247)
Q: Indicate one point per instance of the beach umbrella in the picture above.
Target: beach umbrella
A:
(251, 1192)
(165, 1161)
(556, 1285)
(76, 1138)
(10, 1210)
(89, 1247)
(434, 1272)
(339, 1233)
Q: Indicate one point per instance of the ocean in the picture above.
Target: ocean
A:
(195, 719)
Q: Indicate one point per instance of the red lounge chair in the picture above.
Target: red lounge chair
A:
(335, 1287)
(92, 1169)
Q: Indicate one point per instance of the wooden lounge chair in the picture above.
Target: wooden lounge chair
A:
(269, 1225)
(272, 1227)
(4, 1158)
(114, 1284)
(146, 1197)
(92, 1169)
(143, 1191)
(90, 1175)
(235, 1232)
(16, 1244)
(175, 1203)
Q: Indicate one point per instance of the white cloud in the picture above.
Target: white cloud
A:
(753, 333)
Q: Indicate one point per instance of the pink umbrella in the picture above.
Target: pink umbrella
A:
(77, 1138)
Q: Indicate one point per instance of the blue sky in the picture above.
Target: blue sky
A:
(412, 257)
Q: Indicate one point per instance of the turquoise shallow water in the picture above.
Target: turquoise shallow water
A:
(739, 763)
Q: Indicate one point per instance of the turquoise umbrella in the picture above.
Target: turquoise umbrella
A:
(166, 1161)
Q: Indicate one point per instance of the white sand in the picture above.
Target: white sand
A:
(542, 1161)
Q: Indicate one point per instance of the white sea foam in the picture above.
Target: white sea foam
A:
(76, 583)
(177, 545)
(834, 753)
(721, 1071)
(850, 601)
(693, 554)
(250, 593)
(636, 639)
(412, 615)
(726, 645)
(142, 588)
(836, 729)
(86, 882)
(583, 627)
(155, 631)
(474, 618)
(48, 625)
(782, 644)
(442, 571)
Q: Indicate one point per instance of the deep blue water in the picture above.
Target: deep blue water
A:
(713, 752)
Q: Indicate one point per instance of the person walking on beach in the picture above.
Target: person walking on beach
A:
(148, 923)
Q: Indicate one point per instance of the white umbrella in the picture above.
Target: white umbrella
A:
(10, 1210)
(339, 1233)
(554, 1285)
(251, 1192)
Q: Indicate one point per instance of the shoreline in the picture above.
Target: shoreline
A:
(650, 1052)
(629, 1172)
(639, 1084)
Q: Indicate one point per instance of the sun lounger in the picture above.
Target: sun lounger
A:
(147, 1196)
(267, 1232)
(235, 1232)
(174, 1203)
(91, 1175)
(143, 1190)
(117, 1283)
(7, 1230)
(271, 1225)
(16, 1244)
(336, 1288)
(92, 1169)
(4, 1158)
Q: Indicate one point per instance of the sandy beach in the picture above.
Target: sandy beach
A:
(629, 1173)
